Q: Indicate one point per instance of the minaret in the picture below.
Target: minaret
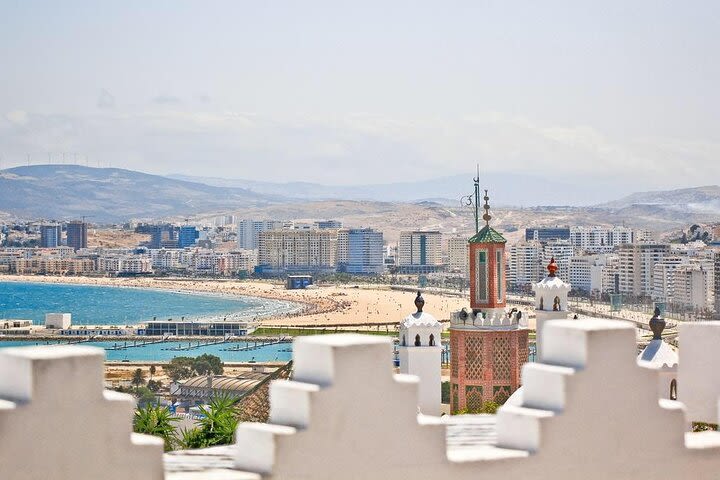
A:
(487, 269)
(488, 345)
(420, 354)
(550, 302)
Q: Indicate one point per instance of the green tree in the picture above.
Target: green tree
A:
(152, 371)
(217, 425)
(179, 368)
(154, 385)
(206, 364)
(138, 378)
(145, 396)
(157, 421)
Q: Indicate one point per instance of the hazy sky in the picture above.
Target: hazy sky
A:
(354, 92)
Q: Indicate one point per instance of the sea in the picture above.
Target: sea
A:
(101, 305)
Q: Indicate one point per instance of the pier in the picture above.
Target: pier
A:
(199, 344)
(255, 346)
(137, 343)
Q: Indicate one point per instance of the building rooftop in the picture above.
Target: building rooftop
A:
(487, 234)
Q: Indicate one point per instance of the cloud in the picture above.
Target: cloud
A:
(105, 101)
(166, 100)
(361, 148)
(17, 117)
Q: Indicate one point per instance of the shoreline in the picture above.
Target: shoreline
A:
(292, 307)
(322, 306)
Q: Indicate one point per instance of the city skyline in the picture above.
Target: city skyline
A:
(340, 95)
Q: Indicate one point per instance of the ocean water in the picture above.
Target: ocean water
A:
(95, 305)
(161, 351)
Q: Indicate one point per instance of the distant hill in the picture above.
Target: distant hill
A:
(698, 200)
(113, 194)
(506, 189)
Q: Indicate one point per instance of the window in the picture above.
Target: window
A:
(417, 340)
(499, 273)
(673, 389)
(432, 340)
(481, 274)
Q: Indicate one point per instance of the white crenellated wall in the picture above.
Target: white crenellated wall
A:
(588, 412)
(57, 422)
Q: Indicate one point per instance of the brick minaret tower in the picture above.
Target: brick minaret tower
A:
(487, 344)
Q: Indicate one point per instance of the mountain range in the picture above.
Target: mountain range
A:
(112, 195)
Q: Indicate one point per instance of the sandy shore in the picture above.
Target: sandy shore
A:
(326, 305)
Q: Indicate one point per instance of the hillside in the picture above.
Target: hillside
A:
(112, 194)
(701, 200)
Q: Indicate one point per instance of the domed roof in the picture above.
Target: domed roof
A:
(420, 319)
(658, 354)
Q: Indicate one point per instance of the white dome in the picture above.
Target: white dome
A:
(420, 319)
(658, 354)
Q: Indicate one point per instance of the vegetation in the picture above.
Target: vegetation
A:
(138, 378)
(487, 407)
(180, 368)
(216, 427)
(158, 421)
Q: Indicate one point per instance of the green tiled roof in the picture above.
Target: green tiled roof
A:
(487, 235)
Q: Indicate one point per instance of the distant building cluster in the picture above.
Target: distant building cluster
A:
(597, 260)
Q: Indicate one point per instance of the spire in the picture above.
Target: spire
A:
(552, 267)
(419, 302)
(477, 199)
(657, 324)
(486, 207)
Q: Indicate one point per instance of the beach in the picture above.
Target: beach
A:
(322, 305)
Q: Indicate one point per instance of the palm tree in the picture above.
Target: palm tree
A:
(138, 378)
(152, 371)
(158, 421)
(217, 425)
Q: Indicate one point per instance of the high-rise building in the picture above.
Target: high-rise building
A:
(50, 235)
(163, 236)
(562, 251)
(365, 251)
(297, 251)
(77, 234)
(690, 286)
(343, 246)
(599, 239)
(636, 265)
(188, 236)
(586, 272)
(249, 230)
(458, 260)
(546, 234)
(525, 263)
(420, 251)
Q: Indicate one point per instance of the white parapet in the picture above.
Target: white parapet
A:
(698, 383)
(57, 422)
(58, 321)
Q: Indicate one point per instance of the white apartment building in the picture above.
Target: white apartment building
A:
(525, 263)
(690, 286)
(125, 264)
(458, 255)
(235, 262)
(587, 272)
(562, 251)
(636, 264)
(420, 250)
(343, 246)
(599, 239)
(297, 250)
(663, 277)
(165, 259)
(249, 230)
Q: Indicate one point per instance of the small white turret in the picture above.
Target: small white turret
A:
(551, 302)
(420, 351)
